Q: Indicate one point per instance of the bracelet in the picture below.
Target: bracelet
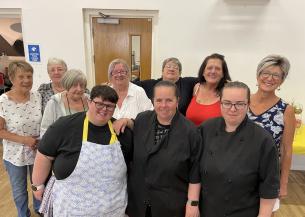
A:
(37, 187)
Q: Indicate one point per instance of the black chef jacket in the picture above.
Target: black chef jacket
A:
(184, 85)
(237, 169)
(160, 173)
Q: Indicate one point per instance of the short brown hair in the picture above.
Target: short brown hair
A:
(19, 64)
(236, 84)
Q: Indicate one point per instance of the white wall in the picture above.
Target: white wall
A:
(243, 30)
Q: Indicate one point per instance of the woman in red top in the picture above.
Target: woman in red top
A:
(205, 104)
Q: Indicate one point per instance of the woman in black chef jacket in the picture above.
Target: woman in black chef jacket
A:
(239, 166)
(164, 176)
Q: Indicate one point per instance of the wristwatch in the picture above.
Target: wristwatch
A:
(37, 187)
(193, 202)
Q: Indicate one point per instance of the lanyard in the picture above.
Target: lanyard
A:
(85, 131)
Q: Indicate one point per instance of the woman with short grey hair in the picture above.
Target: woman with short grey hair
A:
(172, 60)
(56, 68)
(274, 60)
(68, 102)
(171, 71)
(273, 113)
(132, 98)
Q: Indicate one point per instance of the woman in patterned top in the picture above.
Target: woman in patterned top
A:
(56, 69)
(68, 102)
(20, 117)
(273, 113)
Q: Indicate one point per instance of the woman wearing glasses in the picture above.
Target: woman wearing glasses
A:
(205, 104)
(273, 113)
(68, 102)
(239, 166)
(132, 98)
(88, 162)
(171, 71)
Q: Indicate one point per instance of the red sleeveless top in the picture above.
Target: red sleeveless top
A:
(198, 113)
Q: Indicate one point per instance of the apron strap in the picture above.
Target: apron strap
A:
(85, 131)
(113, 135)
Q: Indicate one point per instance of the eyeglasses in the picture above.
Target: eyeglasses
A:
(275, 76)
(101, 105)
(119, 72)
(237, 106)
(172, 67)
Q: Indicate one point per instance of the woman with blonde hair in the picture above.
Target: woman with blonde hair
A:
(273, 113)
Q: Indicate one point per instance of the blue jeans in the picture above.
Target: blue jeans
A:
(18, 180)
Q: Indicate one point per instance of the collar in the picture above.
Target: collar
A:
(131, 90)
(174, 119)
(238, 129)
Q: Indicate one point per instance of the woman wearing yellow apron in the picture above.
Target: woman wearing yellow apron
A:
(88, 161)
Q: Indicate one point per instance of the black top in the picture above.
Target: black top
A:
(63, 140)
(237, 169)
(185, 87)
(160, 173)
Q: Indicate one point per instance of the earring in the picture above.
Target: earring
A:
(257, 85)
(279, 88)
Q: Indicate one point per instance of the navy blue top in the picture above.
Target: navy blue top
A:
(272, 120)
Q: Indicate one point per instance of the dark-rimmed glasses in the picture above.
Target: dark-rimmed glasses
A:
(101, 105)
(237, 105)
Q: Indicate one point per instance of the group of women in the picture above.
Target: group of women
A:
(170, 163)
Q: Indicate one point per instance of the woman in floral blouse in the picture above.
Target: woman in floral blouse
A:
(273, 113)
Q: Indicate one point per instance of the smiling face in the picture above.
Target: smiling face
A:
(171, 72)
(77, 91)
(165, 103)
(22, 80)
(270, 79)
(213, 71)
(119, 75)
(100, 110)
(56, 72)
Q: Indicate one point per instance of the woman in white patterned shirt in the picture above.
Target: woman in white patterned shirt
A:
(20, 117)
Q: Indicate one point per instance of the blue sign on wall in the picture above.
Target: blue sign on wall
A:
(34, 53)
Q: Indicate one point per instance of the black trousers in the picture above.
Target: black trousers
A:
(148, 211)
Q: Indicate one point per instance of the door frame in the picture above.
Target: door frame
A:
(88, 14)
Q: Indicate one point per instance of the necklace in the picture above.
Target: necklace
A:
(69, 104)
(57, 90)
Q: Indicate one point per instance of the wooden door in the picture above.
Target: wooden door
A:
(113, 41)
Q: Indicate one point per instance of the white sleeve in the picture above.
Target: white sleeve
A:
(1, 106)
(49, 116)
(144, 103)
